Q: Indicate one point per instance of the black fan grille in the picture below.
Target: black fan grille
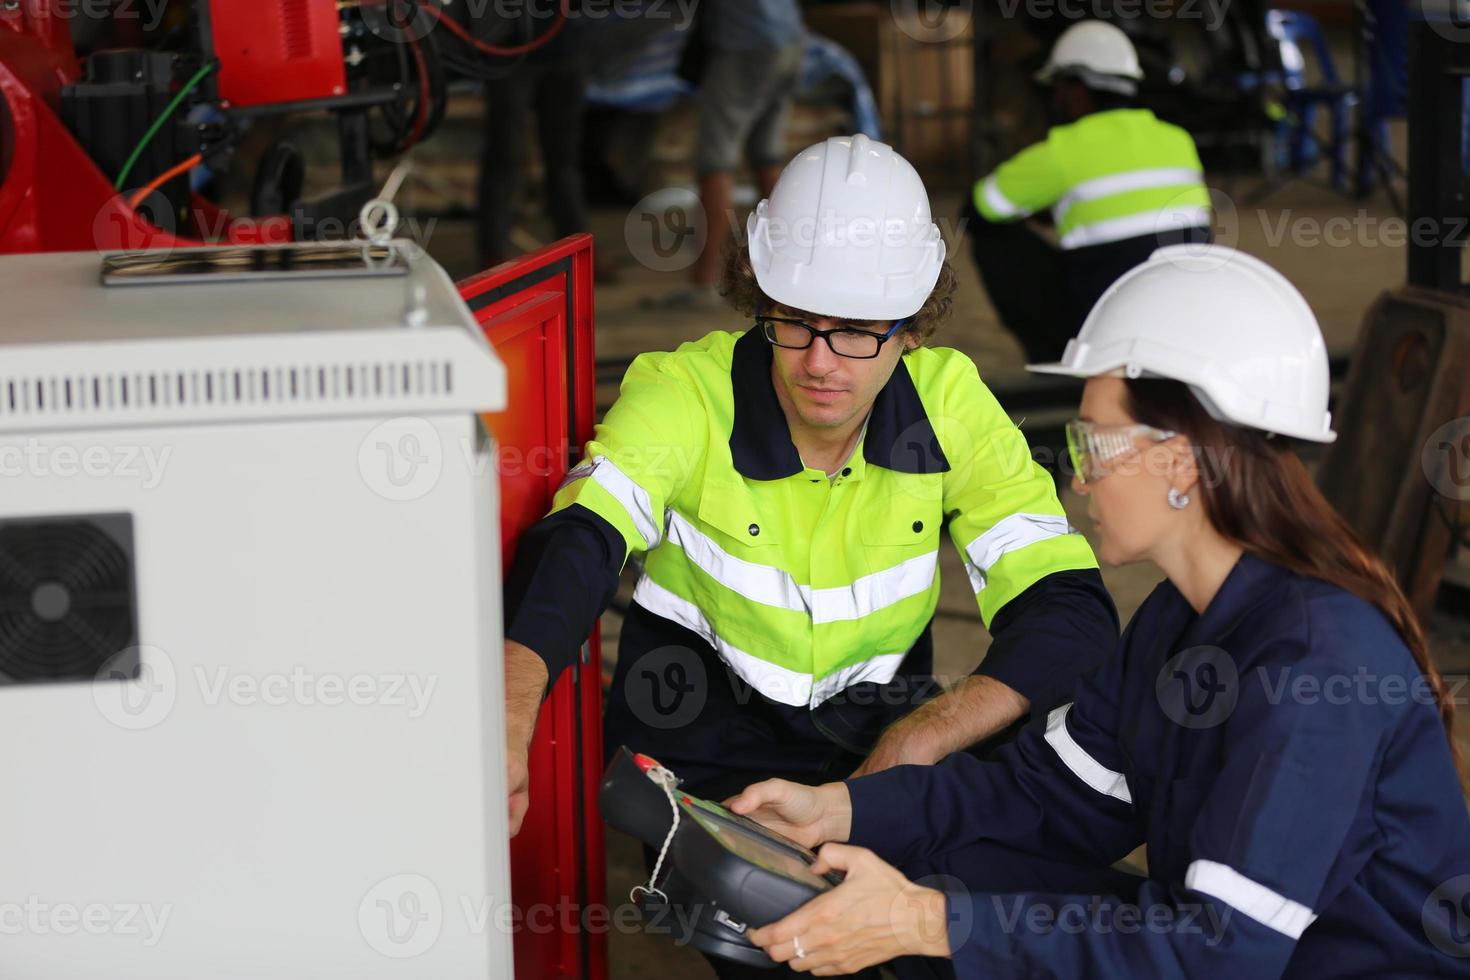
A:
(67, 605)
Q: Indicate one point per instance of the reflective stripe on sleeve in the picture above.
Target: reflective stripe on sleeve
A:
(1249, 897)
(1010, 534)
(633, 498)
(1083, 766)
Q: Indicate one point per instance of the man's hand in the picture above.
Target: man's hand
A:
(808, 815)
(518, 782)
(874, 916)
(525, 686)
(973, 711)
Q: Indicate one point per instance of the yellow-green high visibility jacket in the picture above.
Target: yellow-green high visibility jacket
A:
(1107, 177)
(803, 589)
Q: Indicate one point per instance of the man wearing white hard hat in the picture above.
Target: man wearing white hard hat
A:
(1118, 181)
(786, 490)
(1271, 726)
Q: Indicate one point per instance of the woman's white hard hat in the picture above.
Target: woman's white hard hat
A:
(1221, 321)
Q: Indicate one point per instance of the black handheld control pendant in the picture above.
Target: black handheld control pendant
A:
(727, 872)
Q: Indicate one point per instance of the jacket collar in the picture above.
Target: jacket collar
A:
(1250, 582)
(899, 437)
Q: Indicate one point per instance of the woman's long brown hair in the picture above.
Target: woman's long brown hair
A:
(1257, 493)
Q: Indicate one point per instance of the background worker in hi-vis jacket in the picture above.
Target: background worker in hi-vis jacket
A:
(1119, 182)
(786, 490)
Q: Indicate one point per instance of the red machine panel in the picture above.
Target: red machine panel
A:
(537, 312)
(273, 51)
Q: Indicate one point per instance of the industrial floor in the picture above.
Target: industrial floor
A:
(1340, 267)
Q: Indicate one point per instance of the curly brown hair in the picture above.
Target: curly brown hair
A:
(738, 286)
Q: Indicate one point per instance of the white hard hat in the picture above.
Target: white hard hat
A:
(1098, 53)
(847, 233)
(1223, 322)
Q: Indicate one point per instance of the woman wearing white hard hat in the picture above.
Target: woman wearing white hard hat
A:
(1272, 727)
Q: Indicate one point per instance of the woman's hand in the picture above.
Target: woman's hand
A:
(808, 815)
(875, 915)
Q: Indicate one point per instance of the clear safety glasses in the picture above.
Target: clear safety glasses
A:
(1093, 447)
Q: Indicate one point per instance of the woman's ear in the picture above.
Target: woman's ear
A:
(1183, 464)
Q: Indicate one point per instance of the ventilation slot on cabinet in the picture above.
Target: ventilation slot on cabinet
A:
(295, 28)
(220, 387)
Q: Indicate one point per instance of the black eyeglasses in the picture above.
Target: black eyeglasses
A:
(793, 334)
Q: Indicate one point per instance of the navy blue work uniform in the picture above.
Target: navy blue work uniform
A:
(1281, 756)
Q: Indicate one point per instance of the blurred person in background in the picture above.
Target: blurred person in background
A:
(1119, 182)
(549, 82)
(749, 54)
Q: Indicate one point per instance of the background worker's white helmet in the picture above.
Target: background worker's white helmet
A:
(1097, 53)
(847, 233)
(1225, 323)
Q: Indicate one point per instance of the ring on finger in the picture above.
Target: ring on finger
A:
(796, 945)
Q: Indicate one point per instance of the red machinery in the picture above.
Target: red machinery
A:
(97, 151)
(537, 312)
(66, 128)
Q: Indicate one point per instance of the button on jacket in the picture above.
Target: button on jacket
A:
(792, 592)
(1282, 759)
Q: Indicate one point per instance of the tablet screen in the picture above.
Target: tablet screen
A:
(720, 812)
(758, 849)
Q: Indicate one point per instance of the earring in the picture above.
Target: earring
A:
(1178, 500)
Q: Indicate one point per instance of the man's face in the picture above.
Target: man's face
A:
(823, 389)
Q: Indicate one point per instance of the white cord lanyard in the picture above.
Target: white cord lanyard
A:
(667, 780)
